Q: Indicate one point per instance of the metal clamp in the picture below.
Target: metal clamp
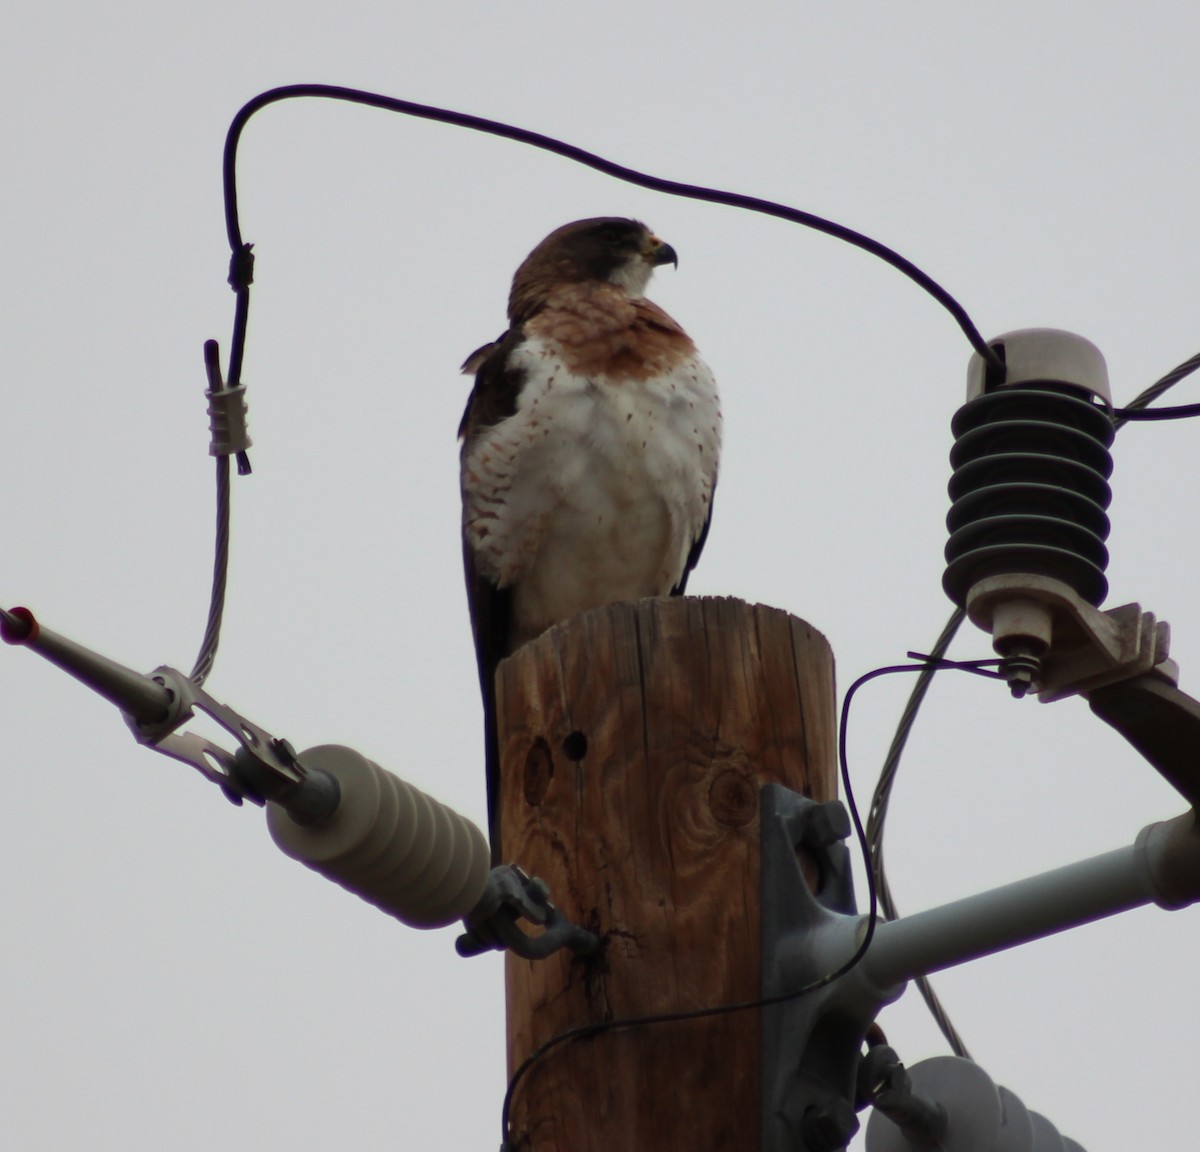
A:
(1070, 646)
(810, 1053)
(511, 895)
(156, 706)
(1160, 721)
(260, 766)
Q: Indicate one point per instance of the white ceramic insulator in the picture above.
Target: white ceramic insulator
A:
(388, 842)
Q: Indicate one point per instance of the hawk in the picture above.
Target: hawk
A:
(590, 446)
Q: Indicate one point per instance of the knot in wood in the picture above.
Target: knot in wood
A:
(733, 798)
(539, 771)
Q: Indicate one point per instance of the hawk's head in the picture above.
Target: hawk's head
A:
(605, 249)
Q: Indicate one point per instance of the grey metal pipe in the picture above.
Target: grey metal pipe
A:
(1161, 867)
(138, 696)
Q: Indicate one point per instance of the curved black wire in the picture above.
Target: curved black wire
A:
(580, 156)
(1141, 415)
(241, 263)
(1139, 408)
(241, 269)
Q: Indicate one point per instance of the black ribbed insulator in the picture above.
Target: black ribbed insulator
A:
(1029, 490)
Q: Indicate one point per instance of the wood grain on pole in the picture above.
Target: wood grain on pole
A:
(634, 740)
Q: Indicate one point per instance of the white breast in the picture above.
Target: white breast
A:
(594, 490)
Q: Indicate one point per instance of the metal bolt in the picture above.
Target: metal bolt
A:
(1021, 662)
(825, 824)
(828, 1127)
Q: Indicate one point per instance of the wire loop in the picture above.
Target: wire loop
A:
(241, 263)
(590, 160)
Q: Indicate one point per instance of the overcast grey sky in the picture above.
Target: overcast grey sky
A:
(168, 979)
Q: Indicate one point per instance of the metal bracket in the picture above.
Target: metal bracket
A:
(260, 757)
(1057, 642)
(512, 895)
(1118, 660)
(157, 705)
(811, 1044)
(1161, 722)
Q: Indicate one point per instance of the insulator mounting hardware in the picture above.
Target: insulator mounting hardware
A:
(157, 705)
(510, 896)
(329, 807)
(1078, 647)
(809, 925)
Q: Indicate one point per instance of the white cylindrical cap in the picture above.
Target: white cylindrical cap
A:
(1044, 354)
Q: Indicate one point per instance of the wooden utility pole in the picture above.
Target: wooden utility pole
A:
(634, 741)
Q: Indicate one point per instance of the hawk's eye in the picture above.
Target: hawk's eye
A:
(613, 233)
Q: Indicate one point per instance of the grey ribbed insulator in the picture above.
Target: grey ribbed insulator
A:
(388, 842)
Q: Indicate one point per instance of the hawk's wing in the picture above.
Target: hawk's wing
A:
(697, 547)
(492, 399)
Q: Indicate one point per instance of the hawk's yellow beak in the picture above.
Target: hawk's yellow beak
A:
(659, 252)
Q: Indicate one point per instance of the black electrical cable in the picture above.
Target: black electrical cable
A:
(979, 667)
(1178, 412)
(241, 265)
(1139, 408)
(579, 156)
